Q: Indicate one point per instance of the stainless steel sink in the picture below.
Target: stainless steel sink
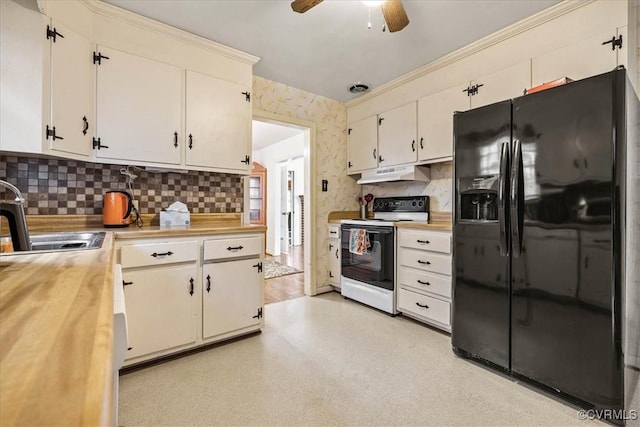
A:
(61, 242)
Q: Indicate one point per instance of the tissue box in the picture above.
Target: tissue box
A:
(174, 219)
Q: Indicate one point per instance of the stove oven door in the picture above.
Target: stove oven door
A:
(375, 265)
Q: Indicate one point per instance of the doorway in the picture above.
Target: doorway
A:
(284, 147)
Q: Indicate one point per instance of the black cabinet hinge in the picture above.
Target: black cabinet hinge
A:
(247, 96)
(472, 90)
(53, 33)
(259, 315)
(259, 265)
(350, 164)
(349, 131)
(96, 144)
(615, 42)
(51, 132)
(98, 57)
(246, 160)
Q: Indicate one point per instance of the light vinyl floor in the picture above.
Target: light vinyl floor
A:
(324, 361)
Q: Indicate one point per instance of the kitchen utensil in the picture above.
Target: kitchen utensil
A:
(116, 209)
(368, 198)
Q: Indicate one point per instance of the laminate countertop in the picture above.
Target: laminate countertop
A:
(56, 326)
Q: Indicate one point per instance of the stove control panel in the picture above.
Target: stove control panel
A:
(401, 204)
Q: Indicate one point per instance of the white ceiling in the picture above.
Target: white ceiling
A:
(329, 47)
(265, 134)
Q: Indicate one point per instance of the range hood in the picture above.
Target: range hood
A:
(395, 173)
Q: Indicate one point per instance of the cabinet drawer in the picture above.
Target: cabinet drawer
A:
(425, 281)
(232, 248)
(158, 253)
(427, 240)
(334, 231)
(424, 306)
(427, 261)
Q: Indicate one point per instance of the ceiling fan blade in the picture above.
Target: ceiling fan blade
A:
(394, 15)
(301, 6)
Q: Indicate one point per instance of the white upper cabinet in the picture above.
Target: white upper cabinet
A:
(362, 145)
(585, 58)
(72, 121)
(435, 122)
(218, 123)
(139, 109)
(509, 82)
(397, 130)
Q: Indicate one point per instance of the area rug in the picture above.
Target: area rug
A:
(275, 269)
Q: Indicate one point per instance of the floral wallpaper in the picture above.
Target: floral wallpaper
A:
(330, 118)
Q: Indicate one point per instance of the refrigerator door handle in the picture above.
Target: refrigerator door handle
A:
(502, 199)
(516, 229)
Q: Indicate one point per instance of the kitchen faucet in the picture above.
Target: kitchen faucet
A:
(13, 210)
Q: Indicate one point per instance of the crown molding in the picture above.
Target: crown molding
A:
(519, 27)
(114, 12)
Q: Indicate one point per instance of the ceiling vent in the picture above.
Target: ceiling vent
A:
(359, 88)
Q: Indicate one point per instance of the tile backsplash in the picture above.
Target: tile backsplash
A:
(60, 187)
(439, 188)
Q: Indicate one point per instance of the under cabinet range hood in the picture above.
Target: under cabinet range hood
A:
(395, 173)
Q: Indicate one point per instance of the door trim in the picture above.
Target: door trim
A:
(310, 285)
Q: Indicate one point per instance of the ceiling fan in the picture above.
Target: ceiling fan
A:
(392, 10)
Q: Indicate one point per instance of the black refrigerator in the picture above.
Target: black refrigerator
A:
(539, 240)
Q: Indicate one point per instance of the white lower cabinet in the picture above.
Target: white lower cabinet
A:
(161, 308)
(424, 276)
(184, 292)
(335, 256)
(231, 297)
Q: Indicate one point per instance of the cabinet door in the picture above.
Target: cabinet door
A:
(160, 308)
(258, 194)
(218, 123)
(362, 145)
(435, 122)
(585, 58)
(397, 130)
(334, 262)
(504, 84)
(139, 107)
(231, 296)
(72, 91)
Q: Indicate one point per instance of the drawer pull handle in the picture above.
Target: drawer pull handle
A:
(191, 286)
(208, 283)
(424, 283)
(156, 254)
(424, 262)
(126, 283)
(424, 242)
(423, 306)
(234, 248)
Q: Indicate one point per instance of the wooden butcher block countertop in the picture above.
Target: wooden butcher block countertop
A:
(56, 323)
(56, 326)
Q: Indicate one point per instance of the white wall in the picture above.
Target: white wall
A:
(272, 157)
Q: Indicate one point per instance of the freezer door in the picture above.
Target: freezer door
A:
(562, 206)
(480, 327)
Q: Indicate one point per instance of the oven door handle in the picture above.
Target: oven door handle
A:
(371, 232)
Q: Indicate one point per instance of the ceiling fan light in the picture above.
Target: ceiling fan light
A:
(373, 3)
